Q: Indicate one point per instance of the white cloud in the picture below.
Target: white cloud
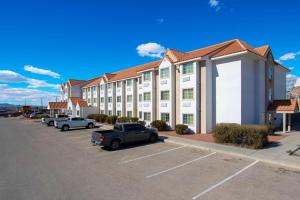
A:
(19, 95)
(289, 56)
(151, 49)
(160, 20)
(214, 4)
(41, 71)
(8, 76)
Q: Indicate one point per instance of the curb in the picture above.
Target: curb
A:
(281, 163)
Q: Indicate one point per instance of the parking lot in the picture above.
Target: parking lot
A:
(40, 162)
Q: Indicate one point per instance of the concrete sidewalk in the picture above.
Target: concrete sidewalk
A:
(277, 153)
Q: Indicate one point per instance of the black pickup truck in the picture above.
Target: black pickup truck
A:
(124, 133)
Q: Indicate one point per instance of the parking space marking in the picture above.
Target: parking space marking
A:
(181, 165)
(224, 180)
(150, 155)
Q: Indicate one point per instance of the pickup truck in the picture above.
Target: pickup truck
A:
(124, 133)
(74, 122)
(50, 121)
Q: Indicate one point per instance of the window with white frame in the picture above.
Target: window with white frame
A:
(78, 112)
(110, 113)
(118, 99)
(109, 86)
(164, 73)
(89, 100)
(101, 111)
(119, 113)
(147, 96)
(187, 68)
(109, 99)
(118, 84)
(165, 95)
(188, 119)
(94, 88)
(129, 98)
(140, 97)
(147, 116)
(165, 117)
(141, 115)
(140, 80)
(188, 94)
(147, 76)
(129, 113)
(102, 87)
(102, 99)
(129, 82)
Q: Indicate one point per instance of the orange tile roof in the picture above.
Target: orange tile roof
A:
(93, 82)
(284, 105)
(57, 105)
(78, 100)
(262, 50)
(74, 82)
(82, 103)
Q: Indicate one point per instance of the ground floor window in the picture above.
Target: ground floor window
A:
(95, 100)
(165, 117)
(119, 113)
(188, 119)
(129, 113)
(110, 113)
(101, 111)
(147, 116)
(141, 115)
(78, 113)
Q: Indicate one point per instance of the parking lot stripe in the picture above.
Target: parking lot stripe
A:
(224, 180)
(181, 165)
(147, 156)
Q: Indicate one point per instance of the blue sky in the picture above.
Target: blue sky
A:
(84, 39)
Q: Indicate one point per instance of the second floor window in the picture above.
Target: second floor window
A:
(187, 68)
(164, 73)
(147, 76)
(165, 95)
(102, 99)
(129, 98)
(109, 99)
(188, 94)
(147, 96)
(118, 99)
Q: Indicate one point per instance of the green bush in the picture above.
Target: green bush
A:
(141, 122)
(98, 117)
(134, 119)
(271, 129)
(159, 124)
(180, 129)
(123, 119)
(111, 119)
(253, 136)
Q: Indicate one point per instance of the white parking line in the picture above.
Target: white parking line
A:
(147, 156)
(181, 165)
(224, 180)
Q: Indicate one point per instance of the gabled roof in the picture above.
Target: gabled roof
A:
(73, 82)
(93, 82)
(263, 50)
(82, 103)
(79, 101)
(57, 105)
(284, 105)
(285, 68)
(175, 55)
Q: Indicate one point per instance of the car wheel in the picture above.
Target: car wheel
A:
(65, 128)
(51, 123)
(91, 125)
(153, 138)
(115, 144)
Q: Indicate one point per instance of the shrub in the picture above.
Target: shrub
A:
(271, 129)
(111, 119)
(134, 119)
(253, 136)
(181, 129)
(159, 124)
(123, 119)
(141, 122)
(102, 118)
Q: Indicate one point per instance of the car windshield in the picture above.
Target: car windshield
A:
(118, 127)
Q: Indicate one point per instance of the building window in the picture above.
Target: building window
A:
(140, 97)
(141, 115)
(95, 100)
(188, 94)
(165, 117)
(147, 96)
(147, 116)
(164, 73)
(270, 72)
(110, 113)
(129, 82)
(165, 95)
(129, 113)
(119, 113)
(94, 89)
(118, 99)
(129, 98)
(101, 111)
(188, 119)
(109, 86)
(109, 99)
(118, 84)
(102, 87)
(78, 113)
(89, 100)
(140, 80)
(147, 76)
(89, 89)
(102, 99)
(187, 68)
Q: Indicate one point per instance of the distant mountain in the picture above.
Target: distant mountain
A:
(7, 105)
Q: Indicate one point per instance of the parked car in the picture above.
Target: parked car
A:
(74, 122)
(124, 133)
(50, 120)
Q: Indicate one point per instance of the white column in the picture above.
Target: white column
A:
(289, 122)
(284, 122)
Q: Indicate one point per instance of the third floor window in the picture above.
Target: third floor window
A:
(187, 68)
(147, 96)
(147, 76)
(164, 73)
